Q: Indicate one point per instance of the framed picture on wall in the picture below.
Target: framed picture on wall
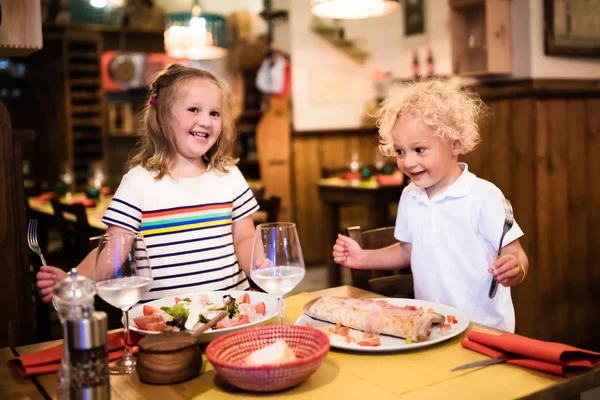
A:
(414, 17)
(572, 28)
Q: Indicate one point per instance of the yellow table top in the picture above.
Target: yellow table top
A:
(420, 374)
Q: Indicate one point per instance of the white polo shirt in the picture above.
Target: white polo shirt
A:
(455, 237)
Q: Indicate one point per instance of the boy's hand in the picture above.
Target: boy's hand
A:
(346, 252)
(46, 279)
(507, 270)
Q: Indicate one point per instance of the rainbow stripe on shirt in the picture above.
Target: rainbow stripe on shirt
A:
(158, 222)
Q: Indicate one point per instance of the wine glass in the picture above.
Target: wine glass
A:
(123, 275)
(277, 265)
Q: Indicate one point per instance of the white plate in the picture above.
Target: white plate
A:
(391, 343)
(216, 297)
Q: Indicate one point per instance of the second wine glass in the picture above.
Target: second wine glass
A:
(123, 275)
(277, 264)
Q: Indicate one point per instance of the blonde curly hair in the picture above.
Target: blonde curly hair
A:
(453, 113)
(156, 147)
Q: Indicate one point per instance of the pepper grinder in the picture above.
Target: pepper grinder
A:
(88, 356)
(72, 294)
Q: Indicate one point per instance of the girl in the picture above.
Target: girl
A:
(184, 193)
(449, 221)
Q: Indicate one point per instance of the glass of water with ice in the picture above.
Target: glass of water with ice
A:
(123, 275)
(277, 264)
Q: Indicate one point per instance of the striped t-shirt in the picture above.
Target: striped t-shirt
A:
(186, 224)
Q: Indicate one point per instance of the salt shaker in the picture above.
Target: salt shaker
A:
(71, 295)
(88, 355)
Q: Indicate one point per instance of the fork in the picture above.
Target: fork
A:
(509, 219)
(32, 239)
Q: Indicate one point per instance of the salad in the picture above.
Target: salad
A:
(187, 312)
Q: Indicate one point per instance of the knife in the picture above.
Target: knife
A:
(489, 361)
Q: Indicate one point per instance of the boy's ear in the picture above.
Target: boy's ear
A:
(456, 147)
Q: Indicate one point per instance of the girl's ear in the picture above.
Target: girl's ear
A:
(456, 147)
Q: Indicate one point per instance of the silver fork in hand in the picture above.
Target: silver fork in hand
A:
(509, 219)
(32, 239)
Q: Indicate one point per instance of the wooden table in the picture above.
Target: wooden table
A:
(96, 213)
(420, 374)
(337, 192)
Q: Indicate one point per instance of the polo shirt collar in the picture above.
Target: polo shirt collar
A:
(460, 188)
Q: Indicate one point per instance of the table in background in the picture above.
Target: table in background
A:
(96, 213)
(420, 374)
(337, 192)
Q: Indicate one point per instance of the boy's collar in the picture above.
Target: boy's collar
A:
(459, 188)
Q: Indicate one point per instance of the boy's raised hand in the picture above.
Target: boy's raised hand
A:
(45, 281)
(346, 252)
(507, 270)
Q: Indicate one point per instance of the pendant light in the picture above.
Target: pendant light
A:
(196, 36)
(353, 9)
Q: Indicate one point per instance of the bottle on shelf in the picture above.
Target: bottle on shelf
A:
(416, 69)
(430, 67)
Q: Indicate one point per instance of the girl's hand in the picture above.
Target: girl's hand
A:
(346, 252)
(45, 281)
(507, 270)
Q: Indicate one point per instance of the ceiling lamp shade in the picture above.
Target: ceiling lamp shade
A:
(353, 9)
(195, 35)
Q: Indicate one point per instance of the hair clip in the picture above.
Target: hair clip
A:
(153, 101)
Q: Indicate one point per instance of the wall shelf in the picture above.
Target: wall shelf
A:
(481, 37)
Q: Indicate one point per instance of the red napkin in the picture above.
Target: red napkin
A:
(48, 360)
(46, 196)
(553, 358)
(86, 202)
(351, 176)
(390, 180)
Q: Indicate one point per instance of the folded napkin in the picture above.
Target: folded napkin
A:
(48, 360)
(46, 196)
(553, 358)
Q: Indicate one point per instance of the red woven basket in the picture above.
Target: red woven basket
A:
(227, 354)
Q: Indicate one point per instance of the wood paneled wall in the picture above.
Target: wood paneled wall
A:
(540, 147)
(313, 151)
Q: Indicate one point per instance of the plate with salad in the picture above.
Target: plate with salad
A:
(245, 309)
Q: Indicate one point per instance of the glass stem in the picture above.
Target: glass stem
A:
(127, 351)
(279, 311)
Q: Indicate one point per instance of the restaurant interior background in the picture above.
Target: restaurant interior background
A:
(68, 102)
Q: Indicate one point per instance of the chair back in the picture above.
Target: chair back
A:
(75, 230)
(271, 206)
(391, 283)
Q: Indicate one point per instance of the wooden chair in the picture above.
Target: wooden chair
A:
(74, 234)
(271, 206)
(391, 283)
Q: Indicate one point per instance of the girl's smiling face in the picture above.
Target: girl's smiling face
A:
(428, 160)
(196, 119)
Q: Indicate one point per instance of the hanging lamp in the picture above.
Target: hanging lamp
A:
(196, 36)
(353, 9)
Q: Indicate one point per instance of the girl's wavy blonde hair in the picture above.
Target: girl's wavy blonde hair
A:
(453, 113)
(156, 147)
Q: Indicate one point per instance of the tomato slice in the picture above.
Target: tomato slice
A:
(149, 310)
(260, 308)
(374, 342)
(244, 299)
